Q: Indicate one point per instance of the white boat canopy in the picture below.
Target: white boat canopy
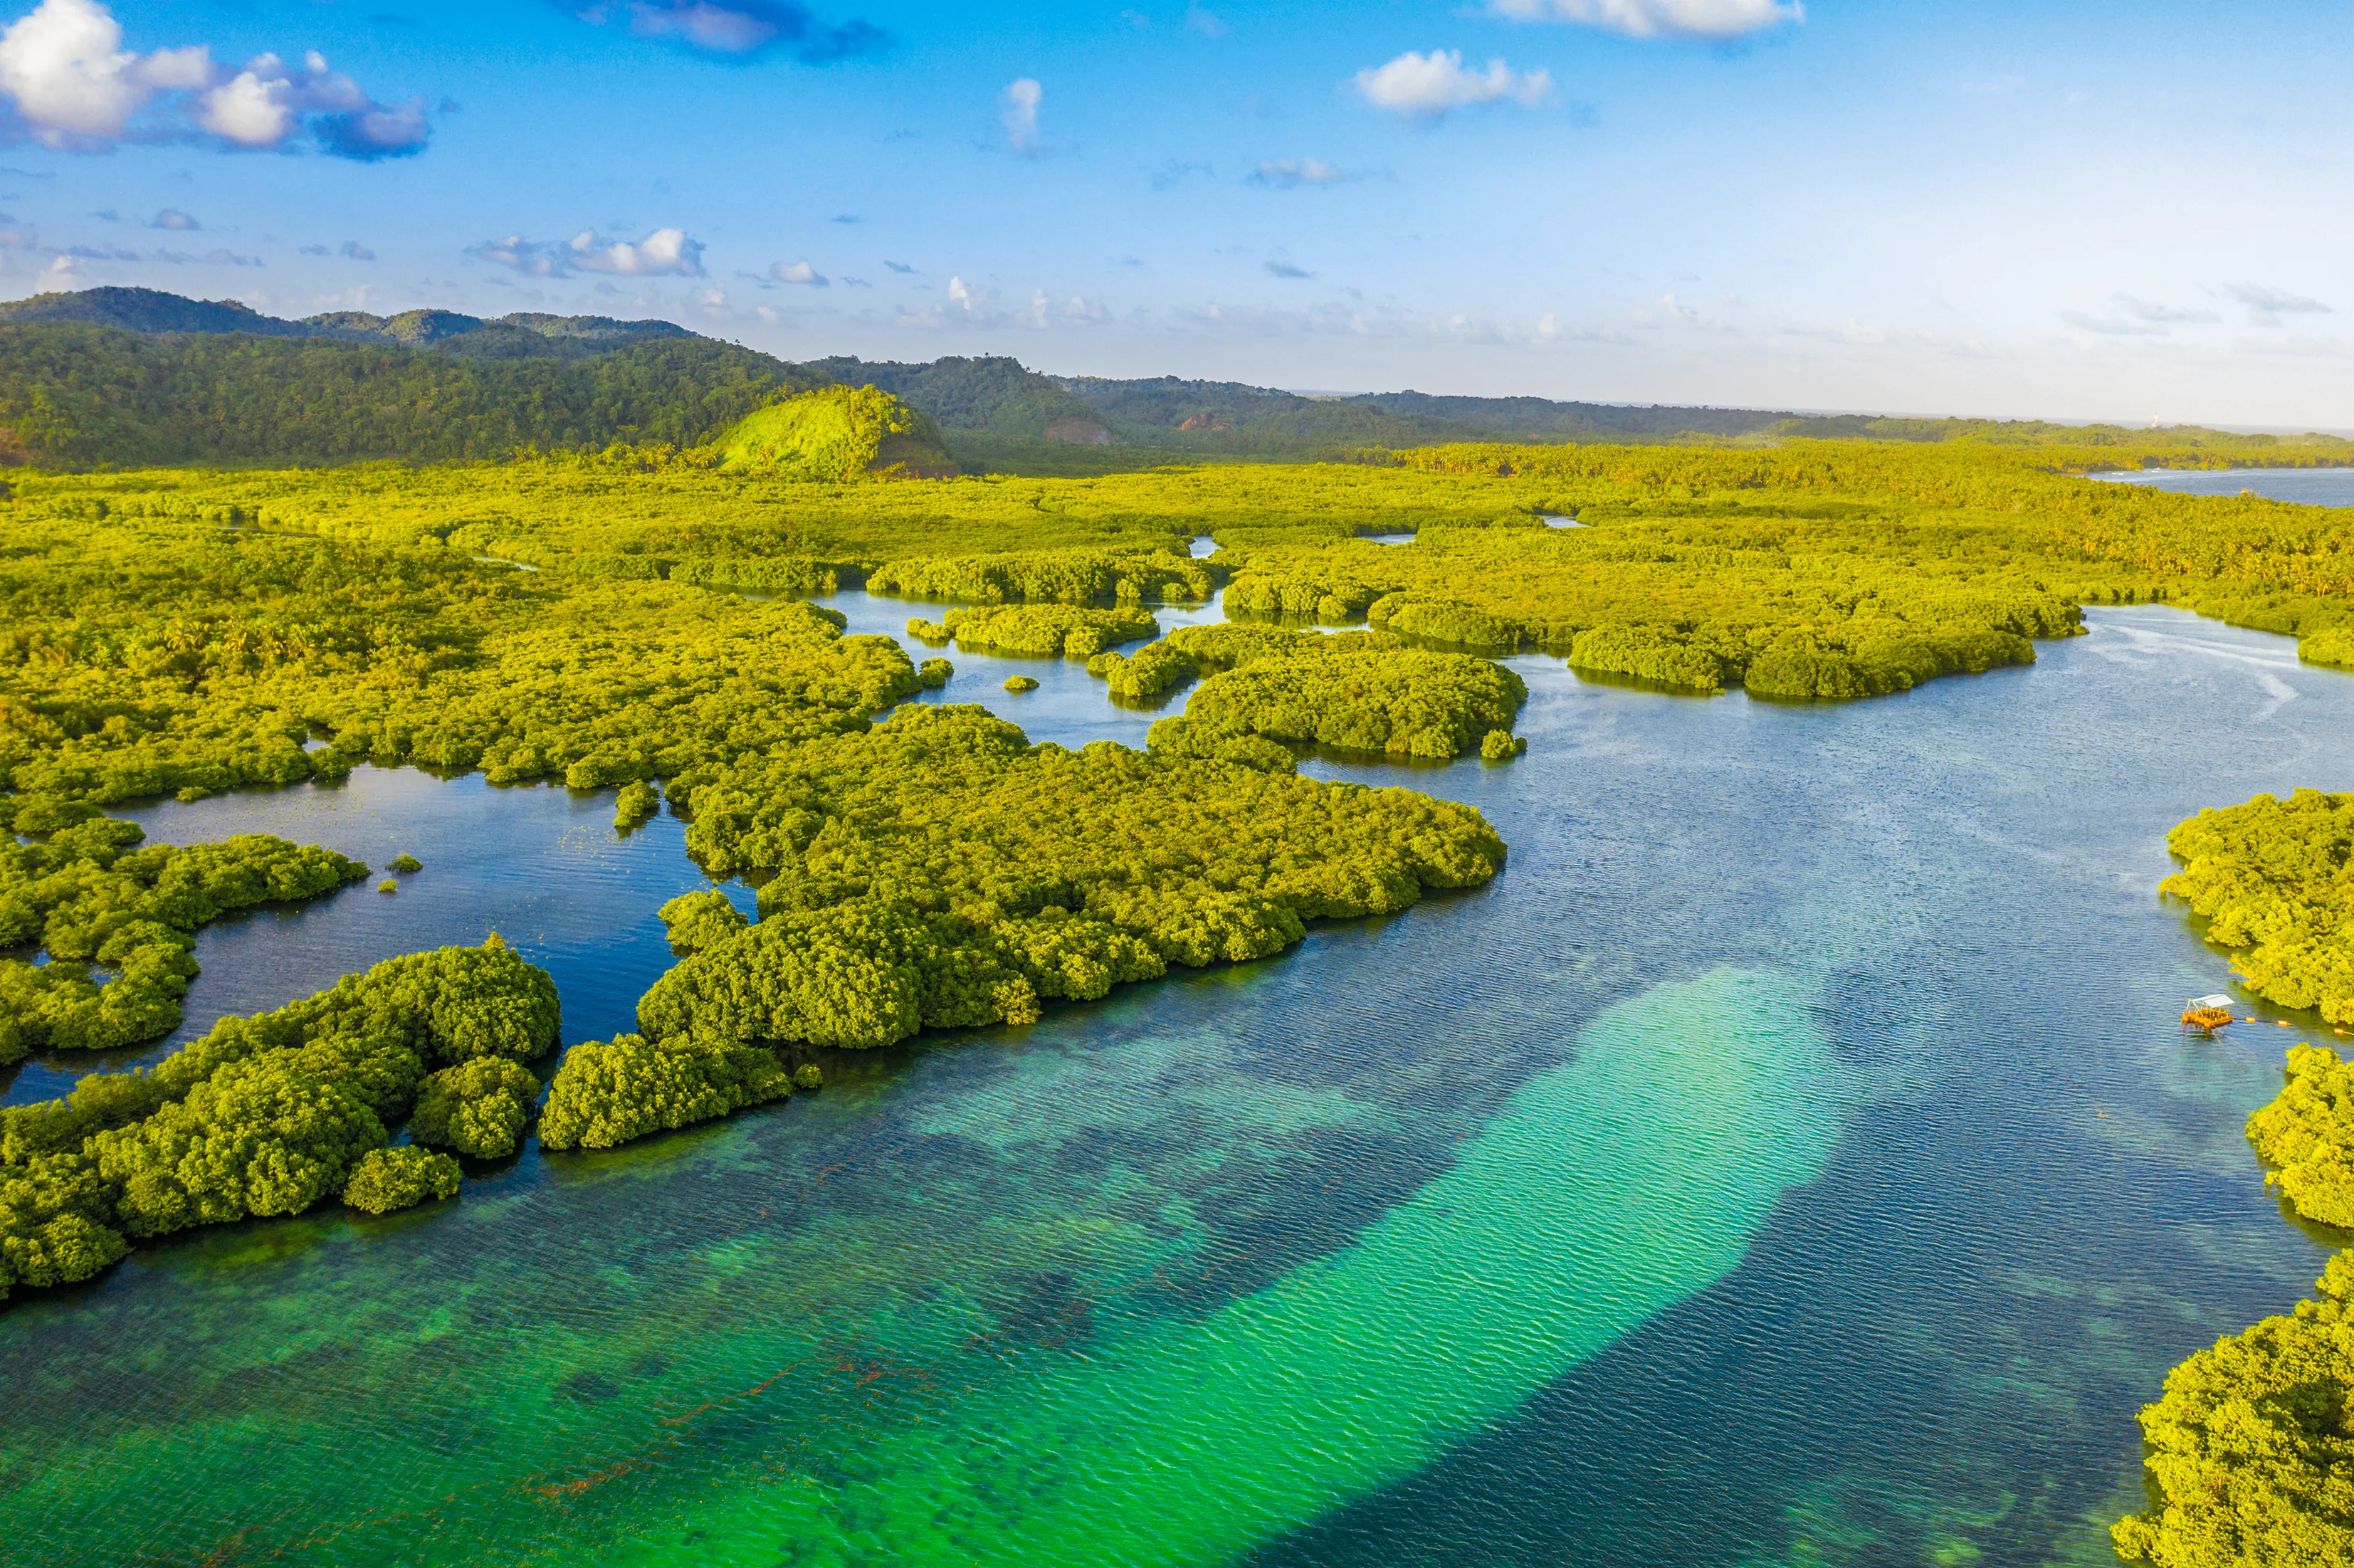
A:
(2217, 1000)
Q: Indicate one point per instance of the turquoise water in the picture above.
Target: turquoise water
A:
(1791, 1158)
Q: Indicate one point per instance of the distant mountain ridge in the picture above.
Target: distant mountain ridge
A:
(523, 334)
(136, 377)
(989, 407)
(121, 375)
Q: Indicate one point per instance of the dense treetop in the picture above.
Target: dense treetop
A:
(1053, 631)
(939, 871)
(1353, 690)
(1821, 569)
(836, 434)
(94, 394)
(262, 1115)
(2250, 1455)
(90, 894)
(2273, 879)
(2306, 1136)
(145, 658)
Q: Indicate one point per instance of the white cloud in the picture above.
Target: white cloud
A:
(173, 217)
(664, 252)
(1021, 117)
(74, 83)
(2138, 318)
(1658, 18)
(1427, 86)
(376, 131)
(74, 87)
(251, 109)
(799, 272)
(2267, 305)
(2164, 315)
(746, 27)
(1284, 173)
(975, 307)
(2112, 327)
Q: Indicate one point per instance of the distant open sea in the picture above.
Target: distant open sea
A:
(2307, 486)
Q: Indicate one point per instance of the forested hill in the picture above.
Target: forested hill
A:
(126, 376)
(1213, 415)
(523, 335)
(990, 397)
(118, 377)
(84, 395)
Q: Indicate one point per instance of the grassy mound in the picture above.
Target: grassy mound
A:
(838, 433)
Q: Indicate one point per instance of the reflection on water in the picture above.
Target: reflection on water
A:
(1792, 1157)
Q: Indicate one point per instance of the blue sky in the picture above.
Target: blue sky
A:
(2069, 210)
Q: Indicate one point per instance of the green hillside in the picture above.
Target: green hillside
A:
(114, 378)
(837, 433)
(100, 396)
(991, 397)
(146, 310)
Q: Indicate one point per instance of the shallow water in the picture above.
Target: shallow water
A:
(1791, 1158)
(2309, 486)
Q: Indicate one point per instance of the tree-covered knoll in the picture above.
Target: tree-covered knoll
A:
(990, 396)
(2273, 879)
(262, 1115)
(941, 871)
(2251, 1453)
(1061, 631)
(1353, 690)
(836, 434)
(91, 896)
(140, 660)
